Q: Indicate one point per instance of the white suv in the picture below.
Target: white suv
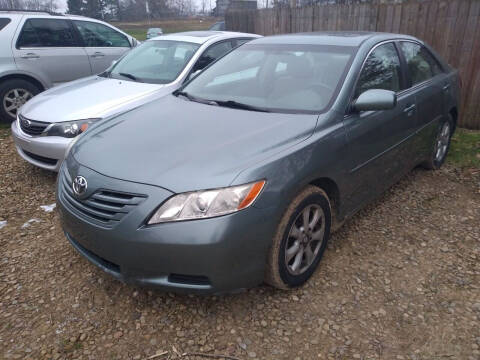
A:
(39, 50)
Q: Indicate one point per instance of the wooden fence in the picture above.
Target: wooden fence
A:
(452, 27)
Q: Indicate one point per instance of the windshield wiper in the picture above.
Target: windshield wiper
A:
(130, 76)
(194, 98)
(237, 105)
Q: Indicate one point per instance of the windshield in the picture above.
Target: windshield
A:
(283, 78)
(155, 61)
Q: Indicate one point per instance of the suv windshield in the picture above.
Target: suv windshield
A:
(268, 77)
(156, 62)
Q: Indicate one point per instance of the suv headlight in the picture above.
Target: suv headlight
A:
(207, 203)
(69, 129)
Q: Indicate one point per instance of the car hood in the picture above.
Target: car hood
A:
(88, 98)
(182, 145)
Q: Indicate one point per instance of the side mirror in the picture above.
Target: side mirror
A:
(376, 99)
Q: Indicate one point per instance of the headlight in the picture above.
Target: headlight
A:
(207, 203)
(69, 129)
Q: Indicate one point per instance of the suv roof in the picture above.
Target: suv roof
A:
(40, 13)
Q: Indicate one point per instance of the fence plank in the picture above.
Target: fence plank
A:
(451, 27)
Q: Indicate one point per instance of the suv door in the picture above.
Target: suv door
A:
(377, 139)
(51, 49)
(427, 82)
(103, 44)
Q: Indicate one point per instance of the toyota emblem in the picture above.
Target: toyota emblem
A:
(79, 185)
(26, 123)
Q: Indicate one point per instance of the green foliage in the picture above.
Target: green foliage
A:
(465, 149)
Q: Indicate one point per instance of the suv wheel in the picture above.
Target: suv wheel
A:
(300, 240)
(13, 94)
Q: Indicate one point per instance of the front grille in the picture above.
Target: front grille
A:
(32, 127)
(41, 159)
(103, 207)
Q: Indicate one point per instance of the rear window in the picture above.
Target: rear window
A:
(4, 22)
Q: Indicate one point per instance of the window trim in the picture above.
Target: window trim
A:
(69, 22)
(348, 110)
(410, 85)
(82, 41)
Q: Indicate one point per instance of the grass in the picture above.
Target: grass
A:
(465, 149)
(139, 29)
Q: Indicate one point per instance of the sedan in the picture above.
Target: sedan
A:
(47, 124)
(241, 175)
(154, 32)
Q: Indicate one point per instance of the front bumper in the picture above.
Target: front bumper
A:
(46, 152)
(214, 255)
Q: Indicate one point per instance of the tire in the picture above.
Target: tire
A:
(443, 138)
(25, 90)
(280, 271)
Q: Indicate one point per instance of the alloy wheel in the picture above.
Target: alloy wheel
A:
(443, 139)
(14, 99)
(305, 239)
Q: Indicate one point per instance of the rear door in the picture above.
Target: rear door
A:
(428, 83)
(377, 139)
(51, 49)
(103, 44)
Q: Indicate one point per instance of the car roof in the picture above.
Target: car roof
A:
(340, 38)
(201, 37)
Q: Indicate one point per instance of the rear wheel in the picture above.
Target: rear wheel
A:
(300, 240)
(13, 94)
(441, 145)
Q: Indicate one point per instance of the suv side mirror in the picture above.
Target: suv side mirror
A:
(376, 99)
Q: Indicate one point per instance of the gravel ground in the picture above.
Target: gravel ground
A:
(398, 281)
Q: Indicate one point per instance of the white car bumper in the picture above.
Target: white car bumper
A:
(46, 152)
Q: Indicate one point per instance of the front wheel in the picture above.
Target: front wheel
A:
(300, 240)
(441, 145)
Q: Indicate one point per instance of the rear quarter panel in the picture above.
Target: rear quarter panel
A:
(7, 63)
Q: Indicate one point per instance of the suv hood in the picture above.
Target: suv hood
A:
(88, 98)
(182, 145)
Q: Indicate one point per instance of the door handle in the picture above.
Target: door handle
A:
(409, 109)
(447, 87)
(97, 54)
(30, 56)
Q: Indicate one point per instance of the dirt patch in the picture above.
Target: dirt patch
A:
(398, 281)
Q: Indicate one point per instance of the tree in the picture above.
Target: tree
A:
(75, 7)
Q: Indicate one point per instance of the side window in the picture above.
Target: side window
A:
(421, 64)
(381, 70)
(213, 53)
(47, 33)
(99, 35)
(4, 22)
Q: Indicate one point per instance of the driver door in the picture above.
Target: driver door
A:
(378, 150)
